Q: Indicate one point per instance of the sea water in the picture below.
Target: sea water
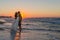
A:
(34, 29)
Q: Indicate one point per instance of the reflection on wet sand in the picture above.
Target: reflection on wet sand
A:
(15, 35)
(18, 36)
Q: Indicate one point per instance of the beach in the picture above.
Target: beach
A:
(32, 29)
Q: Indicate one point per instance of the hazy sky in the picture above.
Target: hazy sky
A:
(31, 8)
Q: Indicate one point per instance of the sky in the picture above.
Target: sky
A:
(30, 8)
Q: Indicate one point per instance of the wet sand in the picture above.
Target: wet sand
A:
(30, 35)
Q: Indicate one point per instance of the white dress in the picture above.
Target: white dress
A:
(15, 24)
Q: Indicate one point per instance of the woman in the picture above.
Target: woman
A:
(15, 25)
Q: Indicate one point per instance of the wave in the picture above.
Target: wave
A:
(51, 30)
(41, 29)
(46, 20)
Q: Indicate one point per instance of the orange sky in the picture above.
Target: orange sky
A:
(30, 8)
(27, 14)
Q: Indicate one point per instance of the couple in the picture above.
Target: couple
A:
(16, 24)
(18, 19)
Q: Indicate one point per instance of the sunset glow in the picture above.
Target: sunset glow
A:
(30, 8)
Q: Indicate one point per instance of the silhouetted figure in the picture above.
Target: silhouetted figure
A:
(14, 27)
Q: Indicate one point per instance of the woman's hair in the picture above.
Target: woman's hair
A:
(15, 15)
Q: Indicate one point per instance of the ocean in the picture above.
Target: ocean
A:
(33, 29)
